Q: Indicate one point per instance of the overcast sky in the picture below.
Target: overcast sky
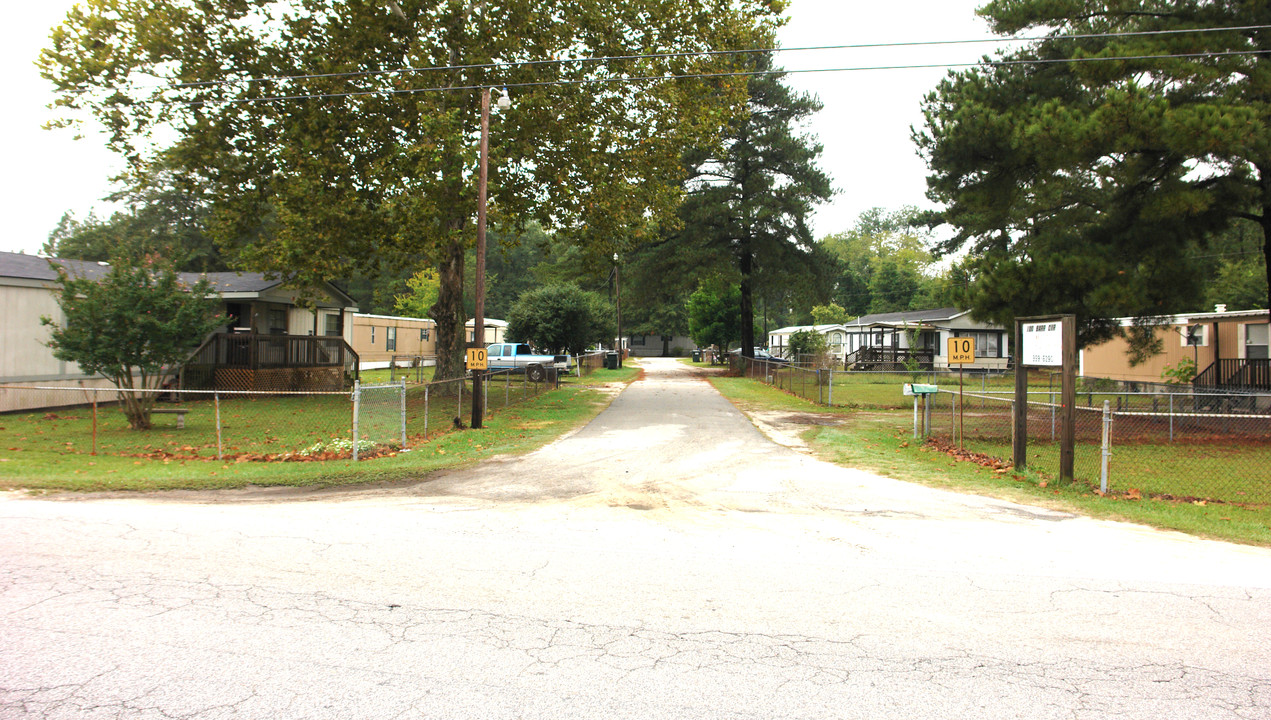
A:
(865, 126)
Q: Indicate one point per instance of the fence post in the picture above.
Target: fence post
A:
(507, 387)
(403, 412)
(426, 389)
(216, 400)
(95, 423)
(1171, 417)
(357, 398)
(831, 393)
(459, 412)
(1107, 446)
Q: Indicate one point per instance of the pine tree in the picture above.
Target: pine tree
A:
(1082, 176)
(750, 200)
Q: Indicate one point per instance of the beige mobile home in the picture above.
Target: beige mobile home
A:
(377, 339)
(1229, 350)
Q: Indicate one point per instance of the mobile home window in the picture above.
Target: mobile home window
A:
(372, 334)
(390, 342)
(987, 344)
(1257, 342)
(331, 324)
(277, 321)
(423, 334)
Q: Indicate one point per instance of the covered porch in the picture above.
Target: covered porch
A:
(270, 362)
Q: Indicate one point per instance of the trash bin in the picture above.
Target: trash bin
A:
(697, 356)
(551, 376)
(611, 361)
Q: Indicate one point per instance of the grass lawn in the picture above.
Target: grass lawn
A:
(882, 390)
(882, 442)
(384, 375)
(51, 450)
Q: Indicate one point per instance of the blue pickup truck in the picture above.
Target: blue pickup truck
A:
(519, 357)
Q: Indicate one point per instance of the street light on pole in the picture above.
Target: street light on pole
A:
(617, 283)
(478, 322)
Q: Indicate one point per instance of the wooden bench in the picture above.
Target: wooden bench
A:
(179, 412)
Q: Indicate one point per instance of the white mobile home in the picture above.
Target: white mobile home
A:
(884, 339)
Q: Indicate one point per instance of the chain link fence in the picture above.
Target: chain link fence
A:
(245, 426)
(587, 363)
(1148, 439)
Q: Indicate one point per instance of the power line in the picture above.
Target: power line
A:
(708, 53)
(693, 76)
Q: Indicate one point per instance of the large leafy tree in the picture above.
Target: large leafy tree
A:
(750, 198)
(1082, 177)
(1235, 268)
(509, 268)
(421, 294)
(712, 314)
(831, 314)
(134, 325)
(332, 134)
(883, 261)
(165, 216)
(560, 318)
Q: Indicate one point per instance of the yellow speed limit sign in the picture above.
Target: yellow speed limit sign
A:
(961, 350)
(477, 359)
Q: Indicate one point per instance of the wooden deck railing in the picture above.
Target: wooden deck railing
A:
(261, 361)
(1236, 373)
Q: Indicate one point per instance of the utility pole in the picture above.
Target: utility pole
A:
(478, 323)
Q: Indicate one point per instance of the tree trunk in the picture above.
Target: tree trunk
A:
(448, 313)
(136, 405)
(747, 310)
(1264, 180)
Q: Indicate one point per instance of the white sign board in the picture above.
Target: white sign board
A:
(1043, 343)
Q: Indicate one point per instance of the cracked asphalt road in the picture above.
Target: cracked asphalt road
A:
(667, 561)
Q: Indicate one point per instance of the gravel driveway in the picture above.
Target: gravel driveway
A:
(666, 561)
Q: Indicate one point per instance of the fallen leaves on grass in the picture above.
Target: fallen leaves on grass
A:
(965, 455)
(166, 456)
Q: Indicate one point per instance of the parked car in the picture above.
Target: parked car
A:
(764, 355)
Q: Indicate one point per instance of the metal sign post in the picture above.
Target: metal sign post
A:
(961, 350)
(1049, 341)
